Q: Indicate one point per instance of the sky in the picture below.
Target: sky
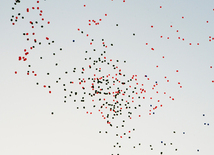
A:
(108, 77)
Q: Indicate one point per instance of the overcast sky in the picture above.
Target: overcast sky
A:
(165, 45)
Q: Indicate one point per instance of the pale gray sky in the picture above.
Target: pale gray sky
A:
(130, 30)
